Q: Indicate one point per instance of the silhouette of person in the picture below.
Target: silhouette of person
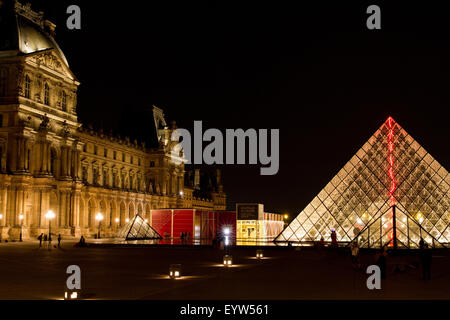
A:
(40, 239)
(425, 258)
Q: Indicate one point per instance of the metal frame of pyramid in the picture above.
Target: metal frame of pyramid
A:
(138, 229)
(392, 192)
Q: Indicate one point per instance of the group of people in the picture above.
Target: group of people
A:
(185, 236)
(425, 255)
(43, 237)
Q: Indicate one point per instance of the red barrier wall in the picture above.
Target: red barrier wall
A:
(202, 224)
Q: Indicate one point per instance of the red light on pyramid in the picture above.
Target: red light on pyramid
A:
(390, 121)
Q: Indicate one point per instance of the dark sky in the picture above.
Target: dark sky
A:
(313, 71)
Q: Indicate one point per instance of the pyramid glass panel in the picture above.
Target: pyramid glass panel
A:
(392, 192)
(138, 229)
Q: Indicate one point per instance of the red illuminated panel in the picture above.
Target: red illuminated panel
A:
(161, 222)
(183, 221)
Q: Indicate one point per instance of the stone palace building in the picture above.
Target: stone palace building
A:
(48, 161)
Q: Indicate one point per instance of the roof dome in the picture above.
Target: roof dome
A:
(25, 31)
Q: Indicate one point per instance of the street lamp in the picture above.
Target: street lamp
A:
(99, 218)
(50, 215)
(21, 225)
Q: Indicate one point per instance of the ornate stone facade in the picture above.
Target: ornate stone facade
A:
(48, 161)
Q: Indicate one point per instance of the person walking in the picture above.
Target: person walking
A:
(425, 259)
(355, 255)
(59, 240)
(421, 244)
(381, 262)
(40, 239)
(334, 243)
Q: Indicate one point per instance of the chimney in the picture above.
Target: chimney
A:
(197, 179)
(50, 27)
(219, 180)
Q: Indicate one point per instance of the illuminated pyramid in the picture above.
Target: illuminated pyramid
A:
(138, 229)
(391, 193)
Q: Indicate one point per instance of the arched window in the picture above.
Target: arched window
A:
(64, 101)
(46, 94)
(27, 87)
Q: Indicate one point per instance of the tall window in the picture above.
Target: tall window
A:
(115, 155)
(27, 87)
(46, 94)
(105, 152)
(64, 101)
(3, 80)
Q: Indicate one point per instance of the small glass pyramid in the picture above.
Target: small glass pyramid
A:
(391, 193)
(138, 229)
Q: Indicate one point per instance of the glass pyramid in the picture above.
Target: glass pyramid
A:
(138, 229)
(391, 193)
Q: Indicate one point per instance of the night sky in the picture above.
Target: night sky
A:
(313, 71)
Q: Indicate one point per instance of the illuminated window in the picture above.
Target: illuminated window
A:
(27, 87)
(64, 101)
(46, 94)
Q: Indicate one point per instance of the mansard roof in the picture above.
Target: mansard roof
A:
(25, 31)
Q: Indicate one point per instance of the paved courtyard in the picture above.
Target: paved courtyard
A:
(29, 272)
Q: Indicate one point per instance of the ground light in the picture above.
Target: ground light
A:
(175, 271)
(227, 260)
(71, 295)
(259, 254)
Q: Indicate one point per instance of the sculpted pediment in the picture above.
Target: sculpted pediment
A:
(49, 59)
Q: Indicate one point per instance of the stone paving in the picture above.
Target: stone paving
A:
(30, 272)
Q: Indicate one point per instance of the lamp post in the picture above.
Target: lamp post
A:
(21, 225)
(99, 218)
(50, 215)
